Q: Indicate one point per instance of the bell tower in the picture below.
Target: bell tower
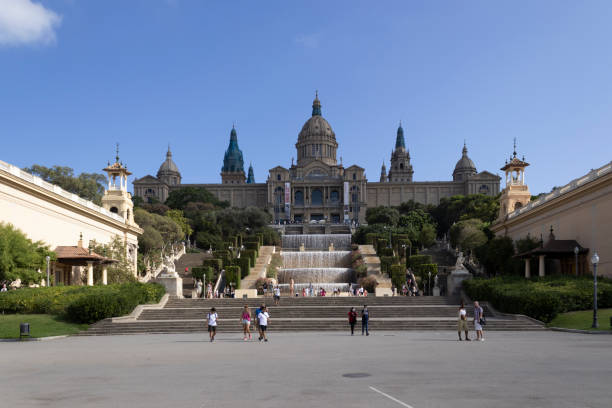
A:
(516, 194)
(116, 198)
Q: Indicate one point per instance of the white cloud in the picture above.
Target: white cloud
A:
(24, 22)
(308, 40)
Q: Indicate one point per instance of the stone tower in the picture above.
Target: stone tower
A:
(317, 140)
(383, 173)
(232, 171)
(516, 194)
(116, 198)
(465, 167)
(251, 175)
(401, 169)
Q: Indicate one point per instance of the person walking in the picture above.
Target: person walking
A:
(352, 318)
(209, 289)
(246, 323)
(462, 322)
(264, 318)
(257, 312)
(212, 323)
(265, 289)
(276, 295)
(478, 321)
(365, 318)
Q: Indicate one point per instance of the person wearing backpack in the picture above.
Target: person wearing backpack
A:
(212, 323)
(263, 318)
(257, 312)
(365, 318)
(352, 318)
(479, 320)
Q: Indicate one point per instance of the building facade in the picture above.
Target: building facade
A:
(319, 188)
(571, 222)
(67, 223)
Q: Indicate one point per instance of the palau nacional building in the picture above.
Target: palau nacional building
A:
(319, 188)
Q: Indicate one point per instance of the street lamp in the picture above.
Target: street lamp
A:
(576, 250)
(48, 258)
(595, 261)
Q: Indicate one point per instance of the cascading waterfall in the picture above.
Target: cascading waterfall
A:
(317, 242)
(307, 259)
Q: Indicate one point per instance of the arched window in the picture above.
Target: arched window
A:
(114, 210)
(299, 198)
(401, 166)
(278, 177)
(317, 197)
(354, 176)
(517, 206)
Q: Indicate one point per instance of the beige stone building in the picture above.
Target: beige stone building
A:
(577, 215)
(318, 187)
(67, 223)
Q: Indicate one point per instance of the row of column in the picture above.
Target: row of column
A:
(90, 279)
(541, 267)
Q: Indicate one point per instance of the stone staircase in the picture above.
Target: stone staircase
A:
(309, 314)
(189, 260)
(259, 271)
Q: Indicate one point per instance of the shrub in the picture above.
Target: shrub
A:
(380, 244)
(369, 283)
(385, 252)
(245, 265)
(398, 275)
(252, 245)
(232, 275)
(224, 255)
(250, 254)
(205, 273)
(215, 263)
(275, 262)
(386, 262)
(415, 260)
(79, 303)
(540, 298)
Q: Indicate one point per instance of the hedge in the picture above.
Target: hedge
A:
(398, 275)
(423, 270)
(232, 274)
(252, 245)
(215, 263)
(385, 252)
(251, 254)
(245, 265)
(205, 273)
(81, 304)
(386, 262)
(414, 260)
(224, 255)
(381, 243)
(371, 238)
(540, 298)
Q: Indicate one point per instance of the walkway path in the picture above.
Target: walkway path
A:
(261, 266)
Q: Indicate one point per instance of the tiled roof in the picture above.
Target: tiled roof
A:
(76, 252)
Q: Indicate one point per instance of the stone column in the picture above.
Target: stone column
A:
(527, 268)
(104, 275)
(89, 273)
(542, 266)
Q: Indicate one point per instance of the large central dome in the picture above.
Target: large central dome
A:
(317, 140)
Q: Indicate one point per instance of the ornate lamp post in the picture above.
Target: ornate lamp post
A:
(595, 261)
(576, 250)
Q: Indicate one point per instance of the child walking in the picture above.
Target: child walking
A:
(212, 324)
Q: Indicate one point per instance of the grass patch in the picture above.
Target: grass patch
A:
(582, 320)
(41, 325)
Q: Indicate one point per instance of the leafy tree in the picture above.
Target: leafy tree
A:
(89, 186)
(468, 234)
(20, 258)
(178, 217)
(456, 208)
(179, 198)
(155, 208)
(155, 227)
(427, 236)
(497, 256)
(382, 215)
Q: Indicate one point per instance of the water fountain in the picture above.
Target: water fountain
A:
(321, 259)
(317, 242)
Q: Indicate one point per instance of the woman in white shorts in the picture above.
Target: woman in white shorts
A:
(246, 322)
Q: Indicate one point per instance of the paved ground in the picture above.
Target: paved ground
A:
(405, 369)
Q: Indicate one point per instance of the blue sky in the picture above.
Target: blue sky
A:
(146, 73)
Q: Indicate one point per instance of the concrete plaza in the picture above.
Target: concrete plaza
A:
(391, 369)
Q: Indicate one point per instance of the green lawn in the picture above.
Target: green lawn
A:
(41, 325)
(583, 320)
